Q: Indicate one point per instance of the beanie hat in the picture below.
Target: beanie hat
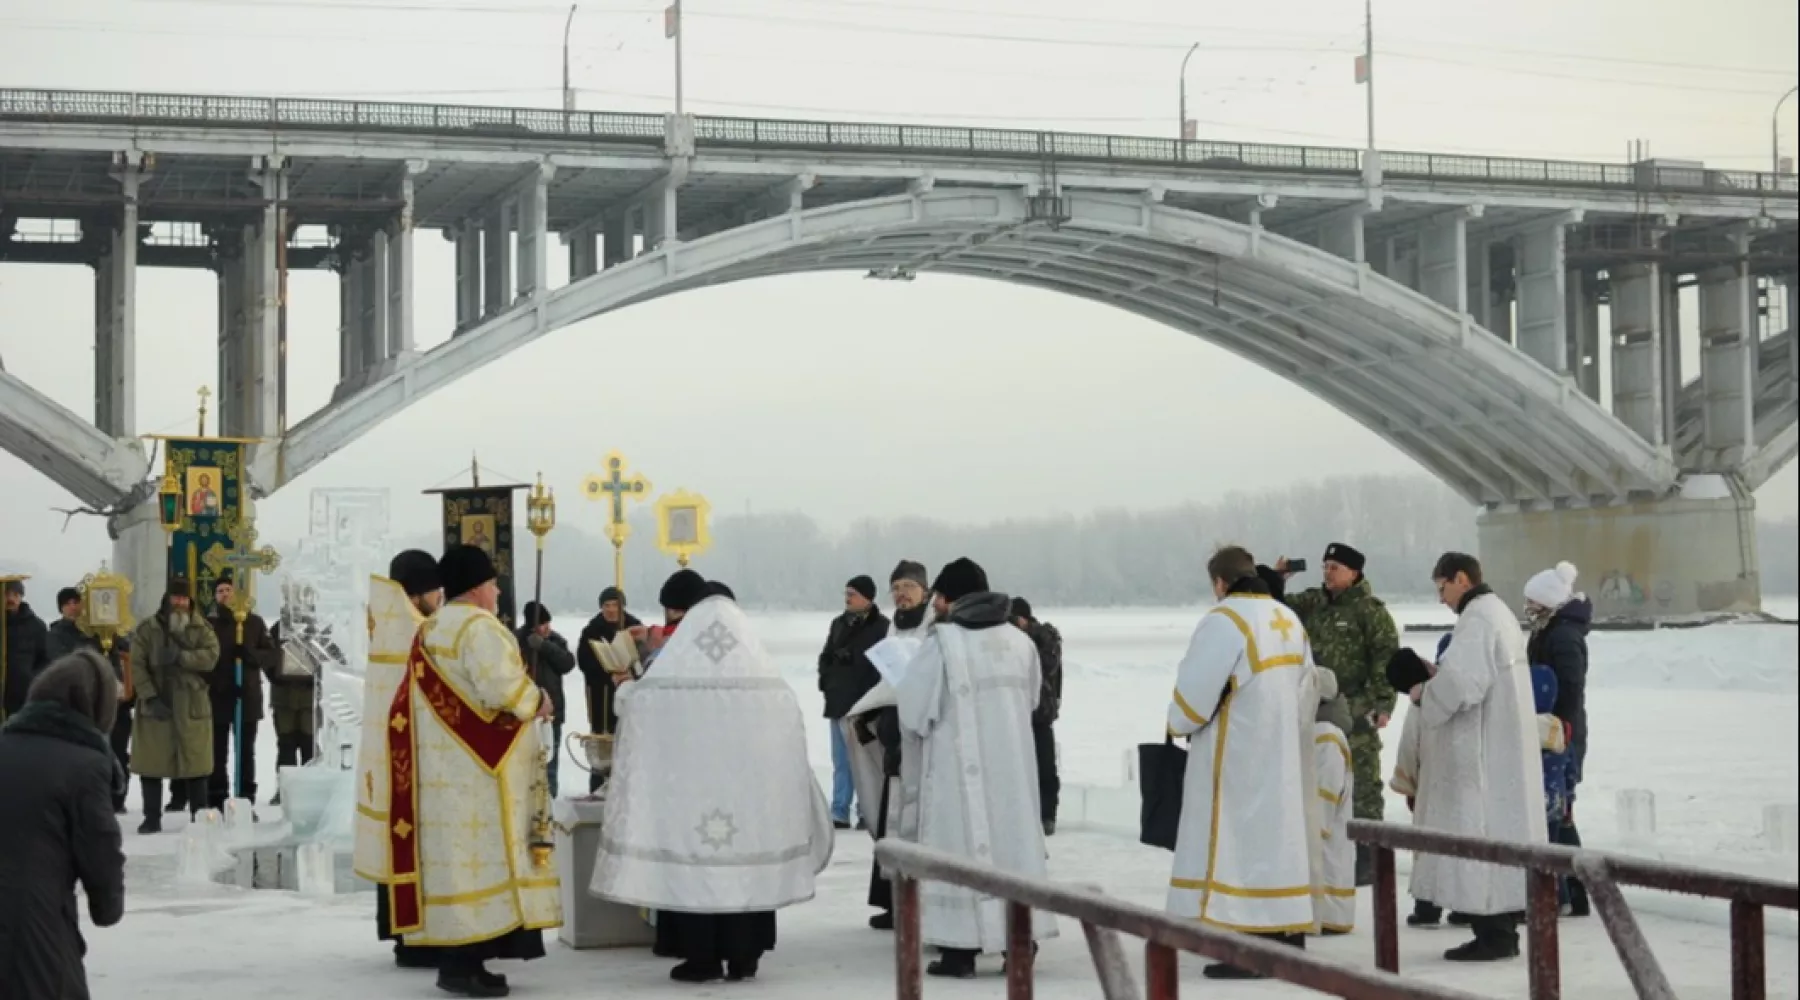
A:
(1345, 556)
(683, 590)
(959, 579)
(862, 585)
(909, 570)
(1406, 670)
(416, 572)
(1552, 588)
(716, 589)
(178, 587)
(1021, 608)
(612, 594)
(463, 568)
(534, 614)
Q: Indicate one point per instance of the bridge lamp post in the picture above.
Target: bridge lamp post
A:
(1182, 136)
(568, 91)
(1775, 131)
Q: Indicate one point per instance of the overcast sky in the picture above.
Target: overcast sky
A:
(944, 397)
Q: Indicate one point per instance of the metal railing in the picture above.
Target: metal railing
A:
(1602, 874)
(765, 133)
(1103, 919)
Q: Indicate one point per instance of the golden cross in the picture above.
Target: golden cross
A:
(1284, 625)
(613, 485)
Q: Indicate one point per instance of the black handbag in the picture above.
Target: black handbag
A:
(1162, 773)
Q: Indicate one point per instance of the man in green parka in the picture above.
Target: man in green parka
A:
(172, 654)
(1353, 634)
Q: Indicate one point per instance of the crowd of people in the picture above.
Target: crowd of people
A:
(1280, 700)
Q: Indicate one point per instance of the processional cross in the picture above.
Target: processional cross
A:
(616, 487)
(246, 560)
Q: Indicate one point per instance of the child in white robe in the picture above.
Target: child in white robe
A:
(1337, 901)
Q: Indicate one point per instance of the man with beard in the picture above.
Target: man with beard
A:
(398, 604)
(877, 721)
(463, 758)
(23, 648)
(968, 696)
(603, 628)
(237, 694)
(845, 675)
(173, 654)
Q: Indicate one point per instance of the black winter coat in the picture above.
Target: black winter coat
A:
(57, 779)
(27, 651)
(601, 717)
(554, 662)
(845, 673)
(1561, 645)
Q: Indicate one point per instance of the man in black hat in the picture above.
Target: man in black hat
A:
(172, 653)
(845, 675)
(461, 808)
(680, 592)
(968, 697)
(603, 628)
(547, 657)
(1354, 636)
(24, 640)
(1048, 641)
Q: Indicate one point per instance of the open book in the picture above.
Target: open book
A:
(618, 657)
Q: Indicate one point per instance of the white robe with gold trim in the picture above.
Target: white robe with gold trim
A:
(1247, 853)
(1337, 803)
(475, 825)
(393, 621)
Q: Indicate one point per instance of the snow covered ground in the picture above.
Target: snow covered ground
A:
(1708, 720)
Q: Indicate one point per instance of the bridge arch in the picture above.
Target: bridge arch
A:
(1487, 420)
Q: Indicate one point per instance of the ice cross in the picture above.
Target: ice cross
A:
(615, 486)
(1283, 624)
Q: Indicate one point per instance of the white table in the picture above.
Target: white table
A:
(588, 920)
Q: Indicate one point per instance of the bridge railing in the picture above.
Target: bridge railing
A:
(1602, 874)
(766, 133)
(1103, 919)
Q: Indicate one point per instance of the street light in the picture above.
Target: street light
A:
(568, 91)
(1775, 131)
(1181, 127)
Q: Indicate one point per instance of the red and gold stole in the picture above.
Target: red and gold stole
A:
(487, 740)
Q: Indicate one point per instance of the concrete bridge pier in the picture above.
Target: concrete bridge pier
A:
(1689, 556)
(1639, 323)
(1728, 363)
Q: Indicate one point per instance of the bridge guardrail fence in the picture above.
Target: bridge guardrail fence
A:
(646, 128)
(1603, 874)
(1103, 919)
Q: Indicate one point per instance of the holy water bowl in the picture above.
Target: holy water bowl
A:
(592, 752)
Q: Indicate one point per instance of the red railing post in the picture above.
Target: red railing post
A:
(1545, 954)
(1387, 912)
(1162, 974)
(909, 982)
(1748, 980)
(1018, 952)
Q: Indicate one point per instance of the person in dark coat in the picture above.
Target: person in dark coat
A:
(603, 627)
(66, 637)
(258, 655)
(24, 651)
(845, 675)
(173, 653)
(548, 661)
(1048, 641)
(58, 779)
(1560, 620)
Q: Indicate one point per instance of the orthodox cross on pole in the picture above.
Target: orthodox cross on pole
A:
(615, 486)
(204, 393)
(245, 560)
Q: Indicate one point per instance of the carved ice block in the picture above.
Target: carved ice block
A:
(1637, 814)
(316, 863)
(588, 920)
(1781, 828)
(197, 856)
(239, 822)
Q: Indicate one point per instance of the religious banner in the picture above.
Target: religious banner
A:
(209, 475)
(482, 516)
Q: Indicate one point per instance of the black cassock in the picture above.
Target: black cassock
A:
(714, 937)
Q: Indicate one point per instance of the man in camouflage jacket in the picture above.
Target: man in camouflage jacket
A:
(1353, 634)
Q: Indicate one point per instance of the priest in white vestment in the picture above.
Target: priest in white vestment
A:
(1480, 774)
(876, 717)
(968, 697)
(467, 786)
(1247, 852)
(1337, 802)
(713, 816)
(398, 604)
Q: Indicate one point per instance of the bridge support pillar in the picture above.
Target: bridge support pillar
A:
(140, 553)
(1444, 261)
(1638, 304)
(496, 258)
(1791, 283)
(531, 216)
(1728, 361)
(1672, 377)
(467, 247)
(1689, 556)
(399, 261)
(249, 298)
(584, 253)
(115, 316)
(365, 305)
(1542, 332)
(1583, 291)
(616, 239)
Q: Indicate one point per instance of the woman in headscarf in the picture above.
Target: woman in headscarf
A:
(58, 777)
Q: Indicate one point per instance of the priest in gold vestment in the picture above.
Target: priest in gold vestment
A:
(398, 605)
(464, 778)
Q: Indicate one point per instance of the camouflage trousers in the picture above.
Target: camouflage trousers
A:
(1365, 759)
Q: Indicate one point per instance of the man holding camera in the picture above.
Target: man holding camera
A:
(1354, 635)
